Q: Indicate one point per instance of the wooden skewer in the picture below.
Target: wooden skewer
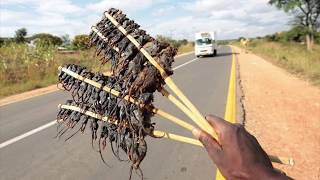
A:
(276, 159)
(83, 111)
(197, 117)
(164, 92)
(130, 99)
(94, 29)
(175, 137)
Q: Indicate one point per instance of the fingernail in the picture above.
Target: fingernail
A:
(196, 132)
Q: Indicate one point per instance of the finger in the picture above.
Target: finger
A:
(217, 123)
(211, 145)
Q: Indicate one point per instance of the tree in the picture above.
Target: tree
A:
(306, 15)
(47, 39)
(65, 39)
(296, 34)
(21, 35)
(172, 42)
(239, 39)
(81, 41)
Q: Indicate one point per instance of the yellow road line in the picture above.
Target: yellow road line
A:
(230, 113)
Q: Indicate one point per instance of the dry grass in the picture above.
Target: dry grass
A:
(292, 56)
(23, 68)
(185, 48)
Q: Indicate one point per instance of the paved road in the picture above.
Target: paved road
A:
(40, 156)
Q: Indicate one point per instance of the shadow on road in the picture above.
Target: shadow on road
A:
(220, 55)
(226, 54)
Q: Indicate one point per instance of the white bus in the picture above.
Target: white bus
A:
(205, 44)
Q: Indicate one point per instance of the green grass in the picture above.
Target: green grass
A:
(294, 57)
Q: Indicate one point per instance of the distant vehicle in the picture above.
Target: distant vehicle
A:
(205, 44)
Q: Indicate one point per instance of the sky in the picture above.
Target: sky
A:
(177, 19)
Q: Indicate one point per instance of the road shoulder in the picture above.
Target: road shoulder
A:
(283, 112)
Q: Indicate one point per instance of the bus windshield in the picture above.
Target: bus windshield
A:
(204, 41)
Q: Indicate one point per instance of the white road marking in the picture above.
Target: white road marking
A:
(29, 133)
(175, 68)
(43, 127)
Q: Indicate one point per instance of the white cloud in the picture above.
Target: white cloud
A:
(126, 5)
(58, 6)
(186, 27)
(53, 6)
(230, 18)
(56, 17)
(164, 10)
(9, 16)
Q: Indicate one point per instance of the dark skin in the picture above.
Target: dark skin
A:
(238, 155)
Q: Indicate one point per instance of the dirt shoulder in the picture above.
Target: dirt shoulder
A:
(283, 112)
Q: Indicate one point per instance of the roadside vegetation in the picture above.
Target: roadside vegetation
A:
(24, 69)
(288, 50)
(27, 63)
(306, 17)
(183, 46)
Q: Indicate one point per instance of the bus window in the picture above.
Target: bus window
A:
(204, 41)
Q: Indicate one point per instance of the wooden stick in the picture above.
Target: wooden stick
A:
(281, 160)
(164, 92)
(94, 29)
(130, 99)
(197, 118)
(175, 137)
(83, 111)
(176, 102)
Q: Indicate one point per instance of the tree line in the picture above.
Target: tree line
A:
(48, 40)
(306, 18)
(79, 42)
(296, 34)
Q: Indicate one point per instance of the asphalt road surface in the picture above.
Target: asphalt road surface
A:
(41, 156)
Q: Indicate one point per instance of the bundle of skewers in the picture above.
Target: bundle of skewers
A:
(118, 107)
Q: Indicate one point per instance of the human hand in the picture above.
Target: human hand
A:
(238, 155)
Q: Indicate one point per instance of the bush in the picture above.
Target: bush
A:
(239, 39)
(1, 42)
(273, 37)
(296, 34)
(46, 40)
(317, 38)
(20, 35)
(172, 42)
(81, 41)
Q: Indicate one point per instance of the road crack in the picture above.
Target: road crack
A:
(241, 112)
